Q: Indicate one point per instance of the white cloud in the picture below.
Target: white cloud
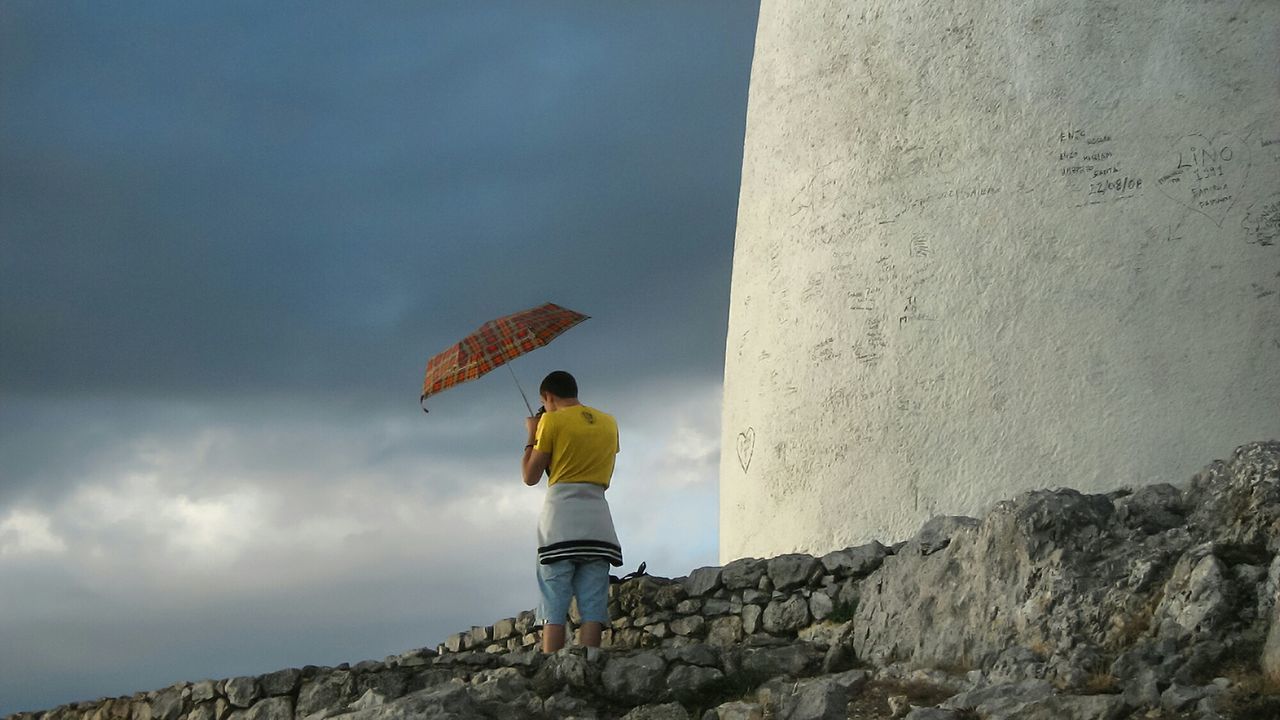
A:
(314, 538)
(25, 532)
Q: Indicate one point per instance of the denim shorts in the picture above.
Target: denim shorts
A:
(588, 580)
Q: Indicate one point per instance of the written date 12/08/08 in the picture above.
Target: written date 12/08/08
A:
(1118, 185)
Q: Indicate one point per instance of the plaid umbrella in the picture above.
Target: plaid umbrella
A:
(496, 343)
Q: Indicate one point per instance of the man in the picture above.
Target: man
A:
(575, 444)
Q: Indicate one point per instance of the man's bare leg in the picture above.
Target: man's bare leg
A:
(589, 634)
(553, 638)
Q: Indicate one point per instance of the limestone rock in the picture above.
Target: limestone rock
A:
(855, 561)
(168, 704)
(282, 682)
(565, 705)
(725, 631)
(690, 625)
(932, 714)
(703, 581)
(739, 710)
(792, 571)
(789, 660)
(566, 668)
(1271, 650)
(276, 708)
(820, 606)
(203, 690)
(937, 532)
(1152, 509)
(242, 691)
(743, 574)
(686, 682)
(206, 710)
(448, 700)
(1198, 595)
(668, 711)
(325, 691)
(786, 616)
(824, 698)
(635, 678)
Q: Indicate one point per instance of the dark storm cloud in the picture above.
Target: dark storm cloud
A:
(246, 199)
(230, 236)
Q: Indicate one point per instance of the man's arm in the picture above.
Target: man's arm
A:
(535, 462)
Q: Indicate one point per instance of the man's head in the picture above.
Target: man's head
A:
(559, 385)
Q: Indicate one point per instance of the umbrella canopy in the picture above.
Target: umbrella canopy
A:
(496, 343)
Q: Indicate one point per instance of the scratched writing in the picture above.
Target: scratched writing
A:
(862, 299)
(1262, 222)
(824, 351)
(746, 447)
(911, 311)
(1206, 175)
(1090, 165)
(954, 194)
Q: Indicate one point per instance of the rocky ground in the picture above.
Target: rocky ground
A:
(1156, 602)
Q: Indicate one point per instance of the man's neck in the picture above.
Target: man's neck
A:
(562, 403)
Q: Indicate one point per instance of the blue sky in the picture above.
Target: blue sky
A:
(230, 236)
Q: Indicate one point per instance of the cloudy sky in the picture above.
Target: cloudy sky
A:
(230, 236)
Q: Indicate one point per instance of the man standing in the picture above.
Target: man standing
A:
(575, 444)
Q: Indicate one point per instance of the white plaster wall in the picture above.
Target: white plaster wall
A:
(990, 245)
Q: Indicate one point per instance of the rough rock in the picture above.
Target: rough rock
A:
(242, 691)
(325, 691)
(686, 682)
(792, 571)
(281, 682)
(690, 625)
(566, 668)
(703, 581)
(276, 708)
(743, 574)
(667, 711)
(725, 631)
(169, 703)
(786, 616)
(739, 710)
(856, 561)
(636, 678)
(790, 660)
(932, 714)
(937, 532)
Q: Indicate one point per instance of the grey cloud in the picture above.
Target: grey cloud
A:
(215, 205)
(230, 236)
(338, 561)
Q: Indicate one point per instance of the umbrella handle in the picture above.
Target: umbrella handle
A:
(422, 401)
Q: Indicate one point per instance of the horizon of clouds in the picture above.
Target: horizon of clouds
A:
(233, 234)
(200, 547)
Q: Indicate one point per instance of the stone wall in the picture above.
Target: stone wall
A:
(995, 245)
(1160, 601)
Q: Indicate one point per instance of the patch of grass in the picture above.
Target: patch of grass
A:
(1252, 696)
(1100, 684)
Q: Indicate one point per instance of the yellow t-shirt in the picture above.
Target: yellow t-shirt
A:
(582, 443)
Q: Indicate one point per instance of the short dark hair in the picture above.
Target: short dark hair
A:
(561, 384)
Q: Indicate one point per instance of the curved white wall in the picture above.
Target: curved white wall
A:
(990, 245)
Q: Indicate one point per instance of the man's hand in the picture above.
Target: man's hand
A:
(531, 424)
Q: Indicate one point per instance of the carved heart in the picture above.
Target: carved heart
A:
(746, 446)
(1206, 175)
